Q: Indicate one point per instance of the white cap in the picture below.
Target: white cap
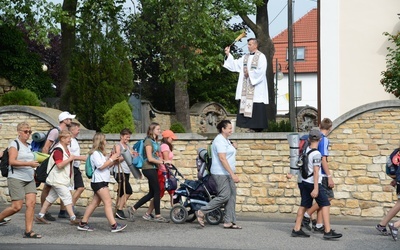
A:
(65, 115)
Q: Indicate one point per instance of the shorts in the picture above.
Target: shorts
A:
(161, 182)
(18, 188)
(78, 180)
(327, 189)
(307, 200)
(128, 187)
(96, 186)
(59, 191)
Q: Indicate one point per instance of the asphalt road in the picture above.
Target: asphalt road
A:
(259, 232)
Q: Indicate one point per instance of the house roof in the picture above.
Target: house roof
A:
(304, 35)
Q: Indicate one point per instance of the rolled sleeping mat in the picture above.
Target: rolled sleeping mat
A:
(294, 139)
(39, 136)
(40, 157)
(126, 154)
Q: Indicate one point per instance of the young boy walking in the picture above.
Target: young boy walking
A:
(311, 189)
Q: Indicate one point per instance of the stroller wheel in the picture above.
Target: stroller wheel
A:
(214, 217)
(178, 214)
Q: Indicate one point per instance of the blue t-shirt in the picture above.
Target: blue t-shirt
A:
(222, 145)
(323, 149)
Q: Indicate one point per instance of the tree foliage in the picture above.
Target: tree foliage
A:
(101, 73)
(391, 77)
(118, 118)
(20, 97)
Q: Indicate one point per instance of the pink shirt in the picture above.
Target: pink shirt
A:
(165, 148)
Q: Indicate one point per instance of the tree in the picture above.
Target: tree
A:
(101, 73)
(391, 77)
(185, 37)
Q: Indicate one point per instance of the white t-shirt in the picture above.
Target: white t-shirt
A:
(99, 175)
(75, 149)
(124, 165)
(23, 173)
(314, 159)
(222, 145)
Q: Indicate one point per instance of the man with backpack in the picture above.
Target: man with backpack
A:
(65, 119)
(311, 189)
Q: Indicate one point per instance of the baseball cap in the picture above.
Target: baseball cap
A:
(169, 133)
(65, 115)
(315, 134)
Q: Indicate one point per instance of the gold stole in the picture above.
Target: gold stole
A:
(246, 101)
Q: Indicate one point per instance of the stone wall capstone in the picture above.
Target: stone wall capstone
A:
(360, 142)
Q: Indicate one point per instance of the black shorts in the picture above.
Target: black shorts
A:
(307, 200)
(78, 180)
(96, 186)
(128, 187)
(327, 189)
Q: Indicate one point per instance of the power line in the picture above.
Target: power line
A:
(278, 14)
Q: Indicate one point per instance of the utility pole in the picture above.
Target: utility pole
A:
(292, 111)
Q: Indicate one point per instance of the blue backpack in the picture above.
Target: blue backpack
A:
(139, 160)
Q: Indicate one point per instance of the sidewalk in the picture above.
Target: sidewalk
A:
(259, 232)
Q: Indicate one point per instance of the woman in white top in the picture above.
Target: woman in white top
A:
(21, 183)
(223, 171)
(99, 184)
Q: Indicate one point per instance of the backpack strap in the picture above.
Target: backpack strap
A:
(308, 153)
(51, 155)
(16, 141)
(56, 140)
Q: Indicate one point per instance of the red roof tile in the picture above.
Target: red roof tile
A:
(304, 35)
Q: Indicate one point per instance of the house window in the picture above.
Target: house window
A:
(297, 91)
(298, 54)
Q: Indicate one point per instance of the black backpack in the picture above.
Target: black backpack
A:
(41, 171)
(302, 162)
(4, 162)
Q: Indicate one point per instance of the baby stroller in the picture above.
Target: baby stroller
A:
(192, 195)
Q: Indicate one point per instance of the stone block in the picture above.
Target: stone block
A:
(366, 180)
(266, 201)
(362, 195)
(381, 197)
(257, 192)
(372, 212)
(275, 192)
(351, 203)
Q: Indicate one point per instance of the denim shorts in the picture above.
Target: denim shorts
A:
(306, 199)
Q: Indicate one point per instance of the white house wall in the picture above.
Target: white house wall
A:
(309, 92)
(353, 52)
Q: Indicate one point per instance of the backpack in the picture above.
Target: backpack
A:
(41, 172)
(40, 138)
(302, 162)
(4, 162)
(139, 160)
(89, 170)
(392, 168)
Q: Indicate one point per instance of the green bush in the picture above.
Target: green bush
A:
(177, 128)
(20, 97)
(118, 118)
(282, 126)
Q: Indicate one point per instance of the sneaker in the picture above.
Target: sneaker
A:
(85, 227)
(120, 215)
(74, 222)
(299, 233)
(160, 219)
(3, 222)
(393, 230)
(78, 214)
(332, 235)
(131, 213)
(314, 223)
(306, 223)
(7, 219)
(382, 229)
(63, 215)
(148, 216)
(320, 230)
(49, 217)
(118, 227)
(41, 220)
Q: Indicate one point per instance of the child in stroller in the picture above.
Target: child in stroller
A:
(193, 194)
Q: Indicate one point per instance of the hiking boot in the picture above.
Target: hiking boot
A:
(78, 214)
(320, 230)
(120, 215)
(131, 213)
(306, 223)
(85, 227)
(332, 235)
(382, 229)
(300, 234)
(49, 217)
(393, 230)
(41, 220)
(148, 216)
(74, 222)
(160, 219)
(3, 222)
(118, 227)
(62, 215)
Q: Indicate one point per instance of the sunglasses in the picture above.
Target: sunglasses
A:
(27, 131)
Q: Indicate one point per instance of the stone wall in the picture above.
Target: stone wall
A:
(360, 142)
